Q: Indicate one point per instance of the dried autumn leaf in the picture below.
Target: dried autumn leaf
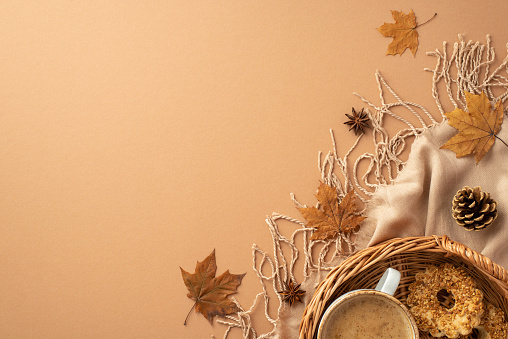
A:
(334, 218)
(403, 32)
(477, 127)
(210, 293)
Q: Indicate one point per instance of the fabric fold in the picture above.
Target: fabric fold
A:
(419, 201)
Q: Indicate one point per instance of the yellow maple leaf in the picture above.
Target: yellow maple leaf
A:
(477, 127)
(335, 217)
(403, 32)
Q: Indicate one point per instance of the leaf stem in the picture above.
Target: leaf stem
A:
(188, 314)
(427, 20)
(501, 140)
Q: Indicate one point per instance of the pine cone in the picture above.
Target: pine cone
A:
(474, 209)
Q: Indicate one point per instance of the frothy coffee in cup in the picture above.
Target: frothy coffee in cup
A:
(368, 315)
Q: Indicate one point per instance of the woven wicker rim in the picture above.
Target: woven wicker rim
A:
(410, 256)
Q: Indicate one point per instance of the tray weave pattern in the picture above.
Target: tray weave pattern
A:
(409, 256)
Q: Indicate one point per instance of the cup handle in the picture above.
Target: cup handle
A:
(389, 281)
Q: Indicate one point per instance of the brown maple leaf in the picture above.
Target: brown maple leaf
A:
(210, 293)
(403, 32)
(334, 218)
(477, 127)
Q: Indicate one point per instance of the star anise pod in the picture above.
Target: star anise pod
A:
(358, 121)
(291, 292)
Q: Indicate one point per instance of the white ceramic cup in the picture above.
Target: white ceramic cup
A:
(385, 289)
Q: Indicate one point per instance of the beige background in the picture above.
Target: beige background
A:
(137, 136)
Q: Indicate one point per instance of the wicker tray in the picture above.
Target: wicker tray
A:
(409, 256)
